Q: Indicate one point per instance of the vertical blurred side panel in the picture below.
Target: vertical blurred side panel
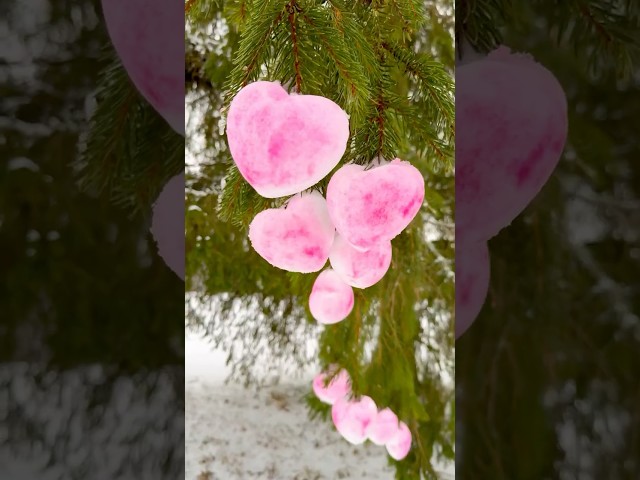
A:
(92, 239)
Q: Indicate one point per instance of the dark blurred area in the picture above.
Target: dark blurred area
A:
(547, 377)
(91, 319)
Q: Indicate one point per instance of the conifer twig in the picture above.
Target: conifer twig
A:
(292, 9)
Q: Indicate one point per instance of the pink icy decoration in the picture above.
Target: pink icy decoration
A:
(149, 38)
(167, 226)
(284, 144)
(331, 300)
(472, 283)
(369, 207)
(511, 128)
(297, 238)
(360, 269)
(338, 388)
(383, 427)
(398, 447)
(352, 418)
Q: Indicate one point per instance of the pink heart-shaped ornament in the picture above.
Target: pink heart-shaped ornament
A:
(284, 144)
(297, 238)
(338, 388)
(472, 283)
(331, 300)
(352, 418)
(148, 36)
(167, 225)
(511, 124)
(400, 445)
(384, 427)
(369, 207)
(360, 269)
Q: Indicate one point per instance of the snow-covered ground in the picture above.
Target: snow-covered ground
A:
(237, 434)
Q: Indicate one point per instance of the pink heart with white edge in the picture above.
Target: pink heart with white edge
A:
(283, 144)
(331, 299)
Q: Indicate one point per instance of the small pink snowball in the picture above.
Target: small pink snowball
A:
(296, 238)
(398, 447)
(149, 38)
(511, 128)
(331, 300)
(352, 418)
(284, 144)
(369, 207)
(383, 427)
(338, 388)
(167, 224)
(360, 269)
(472, 283)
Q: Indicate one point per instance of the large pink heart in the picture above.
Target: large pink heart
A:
(338, 388)
(331, 300)
(296, 238)
(400, 445)
(352, 418)
(511, 128)
(369, 207)
(149, 38)
(472, 283)
(167, 225)
(360, 269)
(384, 427)
(284, 144)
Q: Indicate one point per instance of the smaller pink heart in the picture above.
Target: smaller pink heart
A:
(360, 269)
(383, 427)
(283, 144)
(472, 283)
(331, 300)
(338, 388)
(400, 445)
(296, 238)
(352, 418)
(372, 206)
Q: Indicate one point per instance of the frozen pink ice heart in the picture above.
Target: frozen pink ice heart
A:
(400, 445)
(167, 226)
(352, 418)
(472, 283)
(511, 124)
(360, 269)
(148, 36)
(297, 238)
(383, 427)
(331, 300)
(283, 144)
(372, 206)
(338, 388)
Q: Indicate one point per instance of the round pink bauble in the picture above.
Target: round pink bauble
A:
(360, 269)
(352, 418)
(148, 36)
(511, 128)
(296, 238)
(284, 144)
(369, 207)
(338, 388)
(472, 283)
(383, 427)
(167, 225)
(398, 447)
(331, 300)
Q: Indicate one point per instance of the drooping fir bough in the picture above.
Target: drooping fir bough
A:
(388, 65)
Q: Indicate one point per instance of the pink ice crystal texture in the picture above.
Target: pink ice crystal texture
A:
(339, 387)
(283, 144)
(296, 238)
(472, 283)
(167, 225)
(369, 207)
(511, 128)
(360, 269)
(148, 36)
(331, 300)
